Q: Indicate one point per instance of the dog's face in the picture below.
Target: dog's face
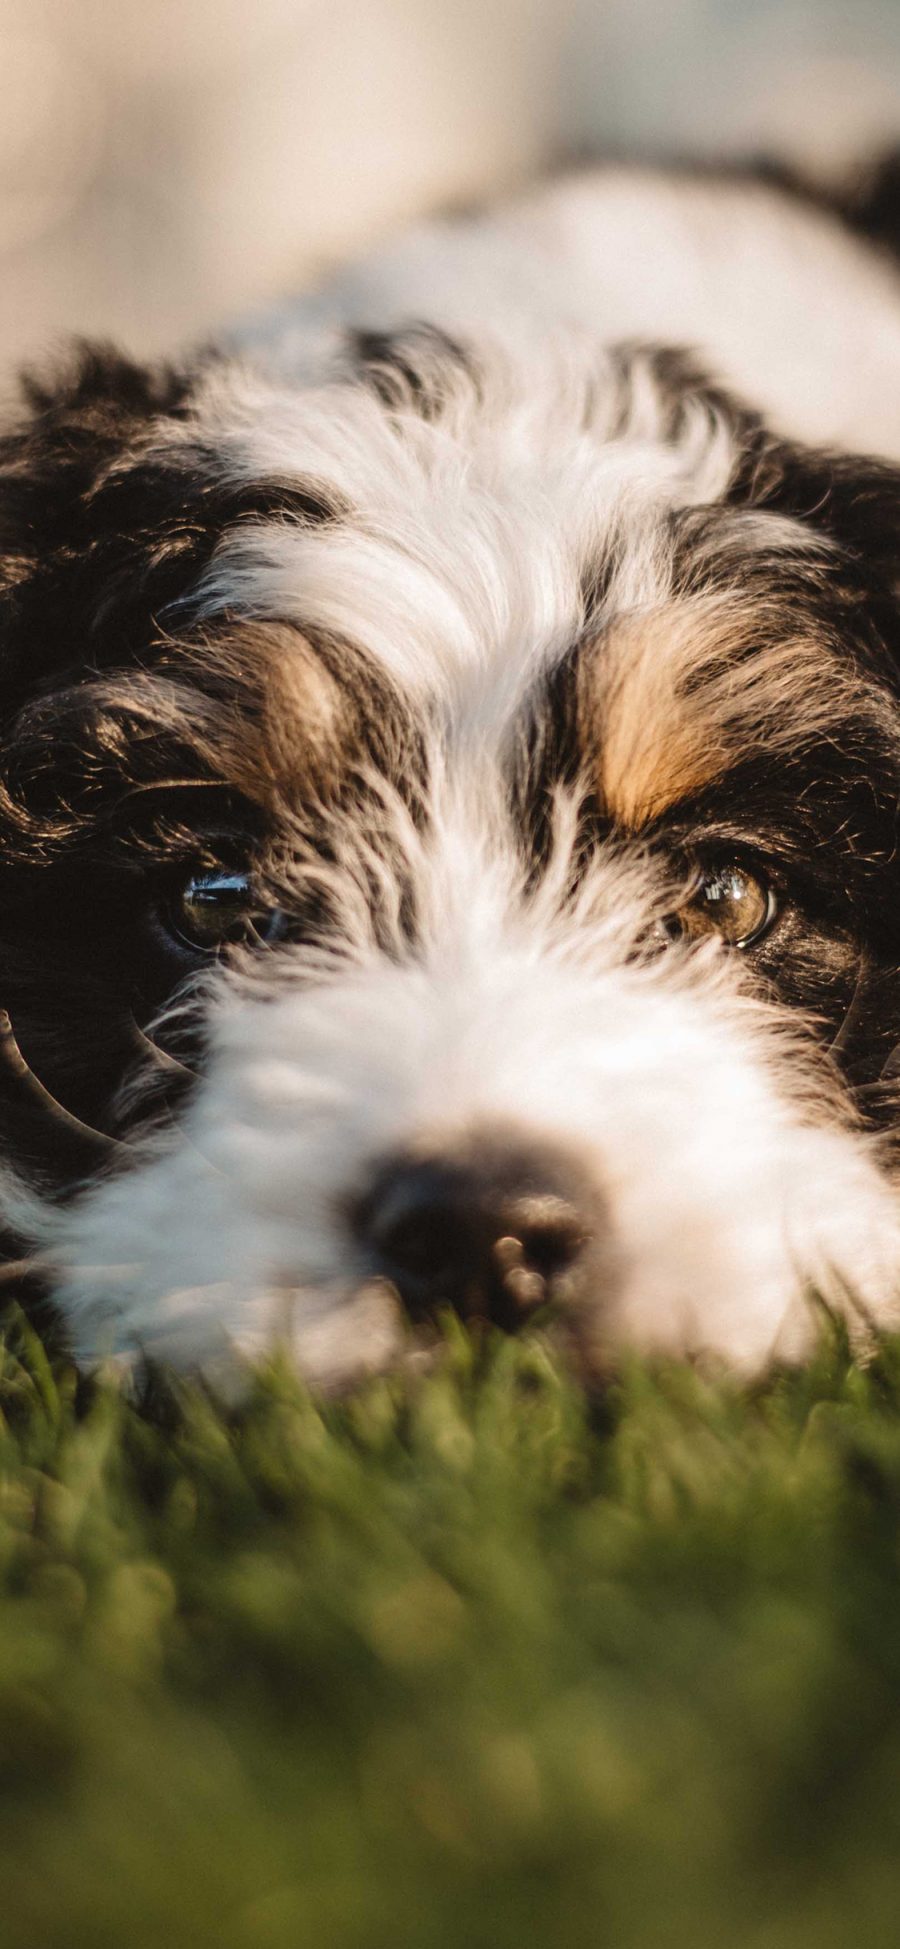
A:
(449, 835)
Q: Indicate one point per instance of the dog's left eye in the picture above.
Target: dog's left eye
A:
(730, 901)
(216, 908)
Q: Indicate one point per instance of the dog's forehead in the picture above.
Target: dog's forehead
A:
(499, 513)
(278, 579)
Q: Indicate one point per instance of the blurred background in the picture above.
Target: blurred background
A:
(166, 165)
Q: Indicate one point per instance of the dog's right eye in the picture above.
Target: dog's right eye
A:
(218, 907)
(728, 900)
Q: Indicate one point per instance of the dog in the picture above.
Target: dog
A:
(449, 797)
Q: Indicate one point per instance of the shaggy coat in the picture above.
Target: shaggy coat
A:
(449, 783)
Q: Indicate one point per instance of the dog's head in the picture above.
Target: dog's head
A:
(448, 822)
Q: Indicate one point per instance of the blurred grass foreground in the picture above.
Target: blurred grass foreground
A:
(460, 1661)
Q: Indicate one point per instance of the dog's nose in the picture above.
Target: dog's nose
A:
(494, 1231)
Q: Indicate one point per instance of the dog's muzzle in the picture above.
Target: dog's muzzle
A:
(495, 1229)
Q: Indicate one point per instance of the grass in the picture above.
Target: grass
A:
(463, 1660)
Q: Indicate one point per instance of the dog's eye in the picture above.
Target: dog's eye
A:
(214, 908)
(730, 901)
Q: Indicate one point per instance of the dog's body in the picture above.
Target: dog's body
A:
(450, 783)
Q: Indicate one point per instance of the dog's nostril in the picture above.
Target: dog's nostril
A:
(417, 1236)
(494, 1234)
(551, 1231)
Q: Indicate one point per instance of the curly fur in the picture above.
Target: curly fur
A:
(476, 620)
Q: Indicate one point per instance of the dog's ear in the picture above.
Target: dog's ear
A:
(113, 499)
(871, 201)
(75, 502)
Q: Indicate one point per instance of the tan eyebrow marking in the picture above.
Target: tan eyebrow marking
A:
(674, 697)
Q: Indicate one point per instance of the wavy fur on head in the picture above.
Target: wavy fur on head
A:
(449, 784)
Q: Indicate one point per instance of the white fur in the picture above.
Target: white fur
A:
(462, 566)
(783, 304)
